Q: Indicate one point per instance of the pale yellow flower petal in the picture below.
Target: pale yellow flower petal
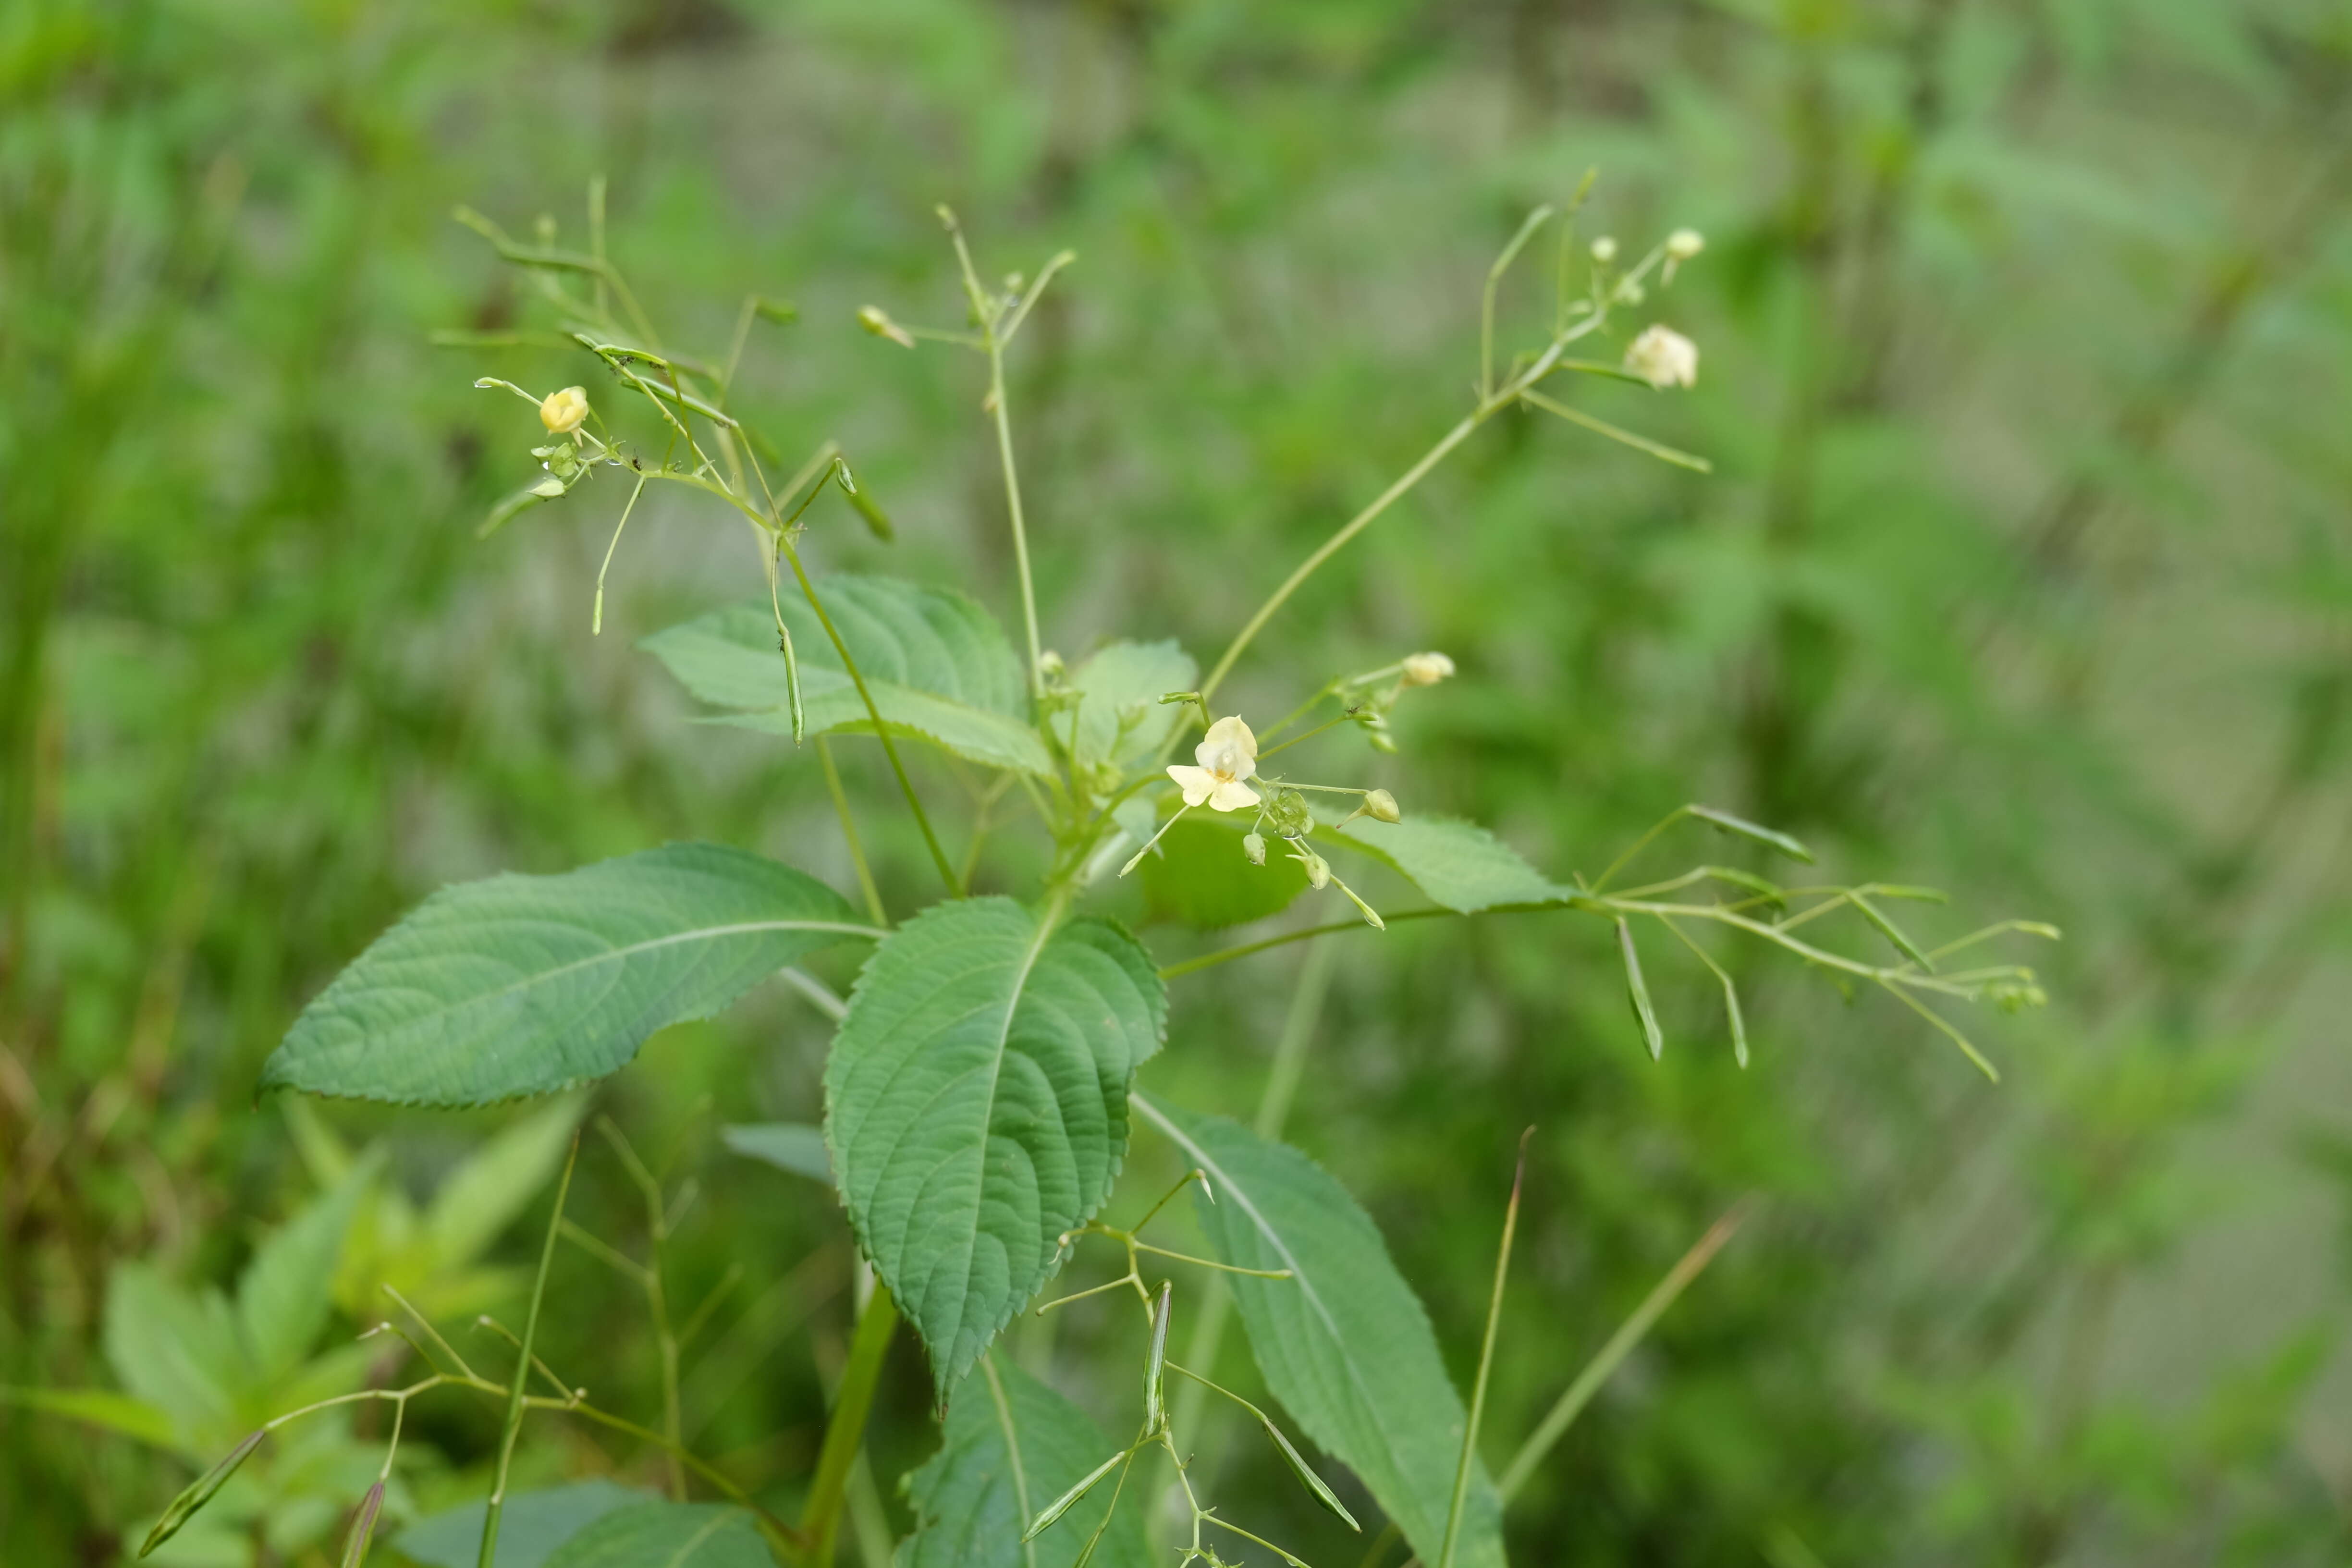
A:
(1663, 357)
(1197, 783)
(1232, 794)
(562, 412)
(1228, 750)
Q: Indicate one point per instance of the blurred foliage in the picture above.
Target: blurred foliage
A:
(2026, 330)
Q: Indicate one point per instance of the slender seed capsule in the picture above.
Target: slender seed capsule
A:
(355, 1547)
(1155, 1408)
(1307, 1476)
(1069, 1499)
(200, 1492)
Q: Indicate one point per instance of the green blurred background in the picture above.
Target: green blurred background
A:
(2025, 570)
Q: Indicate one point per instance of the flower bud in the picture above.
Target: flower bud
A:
(1663, 357)
(1604, 250)
(2015, 996)
(1683, 244)
(1319, 874)
(1426, 668)
(1254, 847)
(1050, 664)
(1381, 806)
(874, 320)
(563, 411)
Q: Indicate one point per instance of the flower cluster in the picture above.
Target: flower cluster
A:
(1224, 774)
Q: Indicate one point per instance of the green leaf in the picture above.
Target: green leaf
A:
(286, 1293)
(1343, 1344)
(1119, 681)
(937, 663)
(531, 1526)
(1012, 1445)
(133, 1418)
(1199, 877)
(666, 1535)
(793, 1146)
(519, 985)
(1457, 864)
(176, 1350)
(976, 1106)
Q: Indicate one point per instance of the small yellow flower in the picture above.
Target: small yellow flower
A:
(563, 411)
(1663, 357)
(1228, 756)
(1426, 668)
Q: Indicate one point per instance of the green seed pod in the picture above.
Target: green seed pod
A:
(1254, 847)
(200, 1492)
(1155, 1408)
(355, 1546)
(1069, 1499)
(1307, 1478)
(1380, 804)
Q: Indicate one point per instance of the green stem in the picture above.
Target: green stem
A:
(1596, 1372)
(718, 1479)
(866, 884)
(1328, 724)
(1493, 403)
(1485, 1364)
(1337, 542)
(1013, 1451)
(515, 1394)
(845, 1431)
(1639, 844)
(1012, 509)
(1298, 1028)
(783, 539)
(991, 316)
(1227, 955)
(874, 713)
